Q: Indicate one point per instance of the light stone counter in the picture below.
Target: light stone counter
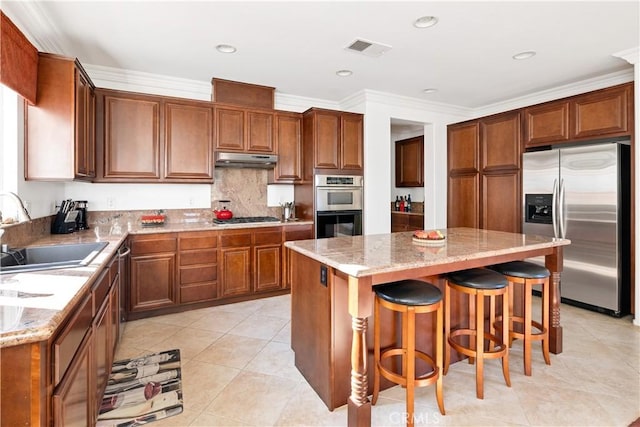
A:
(33, 305)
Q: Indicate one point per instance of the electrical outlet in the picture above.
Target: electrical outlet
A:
(111, 203)
(191, 202)
(323, 275)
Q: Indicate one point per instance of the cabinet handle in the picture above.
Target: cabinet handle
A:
(125, 253)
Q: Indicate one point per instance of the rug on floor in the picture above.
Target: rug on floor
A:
(142, 390)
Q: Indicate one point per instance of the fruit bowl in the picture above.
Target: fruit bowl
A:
(429, 237)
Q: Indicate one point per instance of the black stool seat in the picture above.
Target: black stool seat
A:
(522, 269)
(409, 292)
(478, 278)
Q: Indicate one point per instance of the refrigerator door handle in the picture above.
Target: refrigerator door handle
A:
(562, 216)
(554, 208)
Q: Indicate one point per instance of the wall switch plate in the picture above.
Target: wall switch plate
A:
(323, 275)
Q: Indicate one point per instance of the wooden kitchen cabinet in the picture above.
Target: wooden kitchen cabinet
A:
(235, 263)
(288, 134)
(484, 163)
(153, 272)
(188, 136)
(147, 138)
(603, 113)
(546, 123)
(73, 399)
(243, 129)
(410, 162)
(333, 142)
(291, 233)
(406, 221)
(267, 259)
(198, 261)
(61, 123)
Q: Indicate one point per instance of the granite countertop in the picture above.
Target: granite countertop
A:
(361, 256)
(33, 304)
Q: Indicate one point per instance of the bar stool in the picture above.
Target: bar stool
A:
(478, 283)
(409, 297)
(528, 275)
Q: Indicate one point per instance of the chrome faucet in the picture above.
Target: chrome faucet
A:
(23, 214)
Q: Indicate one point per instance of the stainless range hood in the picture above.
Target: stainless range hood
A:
(245, 160)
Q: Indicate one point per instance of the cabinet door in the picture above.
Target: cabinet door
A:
(73, 400)
(501, 202)
(399, 222)
(229, 126)
(267, 268)
(82, 167)
(463, 204)
(101, 351)
(152, 281)
(188, 135)
(131, 137)
(602, 113)
(289, 146)
(500, 147)
(235, 277)
(351, 147)
(235, 263)
(463, 144)
(293, 232)
(327, 140)
(259, 132)
(546, 123)
(410, 162)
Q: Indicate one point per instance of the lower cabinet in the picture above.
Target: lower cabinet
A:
(267, 259)
(235, 263)
(198, 261)
(153, 271)
(406, 221)
(72, 399)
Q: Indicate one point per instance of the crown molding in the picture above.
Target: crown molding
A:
(371, 96)
(564, 91)
(300, 104)
(48, 37)
(632, 56)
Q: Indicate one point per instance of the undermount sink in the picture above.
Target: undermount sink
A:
(35, 258)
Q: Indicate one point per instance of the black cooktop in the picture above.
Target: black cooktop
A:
(245, 220)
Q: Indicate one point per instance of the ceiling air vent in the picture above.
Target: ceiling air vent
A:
(368, 48)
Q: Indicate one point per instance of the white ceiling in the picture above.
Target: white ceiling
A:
(297, 46)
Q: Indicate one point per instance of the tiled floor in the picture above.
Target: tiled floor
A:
(238, 370)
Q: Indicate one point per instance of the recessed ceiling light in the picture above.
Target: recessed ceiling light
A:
(344, 73)
(524, 55)
(429, 90)
(226, 48)
(425, 22)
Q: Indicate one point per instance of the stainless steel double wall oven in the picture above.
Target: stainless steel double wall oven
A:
(339, 200)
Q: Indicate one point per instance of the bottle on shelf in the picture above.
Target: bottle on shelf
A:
(408, 204)
(397, 203)
(401, 204)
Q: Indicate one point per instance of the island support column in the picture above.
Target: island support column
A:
(553, 262)
(360, 307)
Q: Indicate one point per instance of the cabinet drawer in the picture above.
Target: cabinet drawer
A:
(205, 256)
(100, 290)
(198, 241)
(208, 273)
(67, 343)
(303, 232)
(267, 237)
(416, 221)
(151, 245)
(235, 240)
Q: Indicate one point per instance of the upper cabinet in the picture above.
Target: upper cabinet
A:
(333, 141)
(145, 138)
(244, 129)
(288, 134)
(603, 113)
(410, 162)
(61, 123)
(484, 163)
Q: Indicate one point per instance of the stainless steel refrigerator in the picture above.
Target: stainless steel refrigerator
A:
(582, 193)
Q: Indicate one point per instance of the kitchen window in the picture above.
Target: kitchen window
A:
(9, 102)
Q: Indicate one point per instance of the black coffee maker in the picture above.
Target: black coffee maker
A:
(81, 219)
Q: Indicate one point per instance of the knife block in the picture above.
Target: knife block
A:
(60, 226)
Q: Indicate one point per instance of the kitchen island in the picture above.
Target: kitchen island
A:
(332, 280)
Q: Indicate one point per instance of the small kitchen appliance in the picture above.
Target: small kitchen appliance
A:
(223, 213)
(81, 220)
